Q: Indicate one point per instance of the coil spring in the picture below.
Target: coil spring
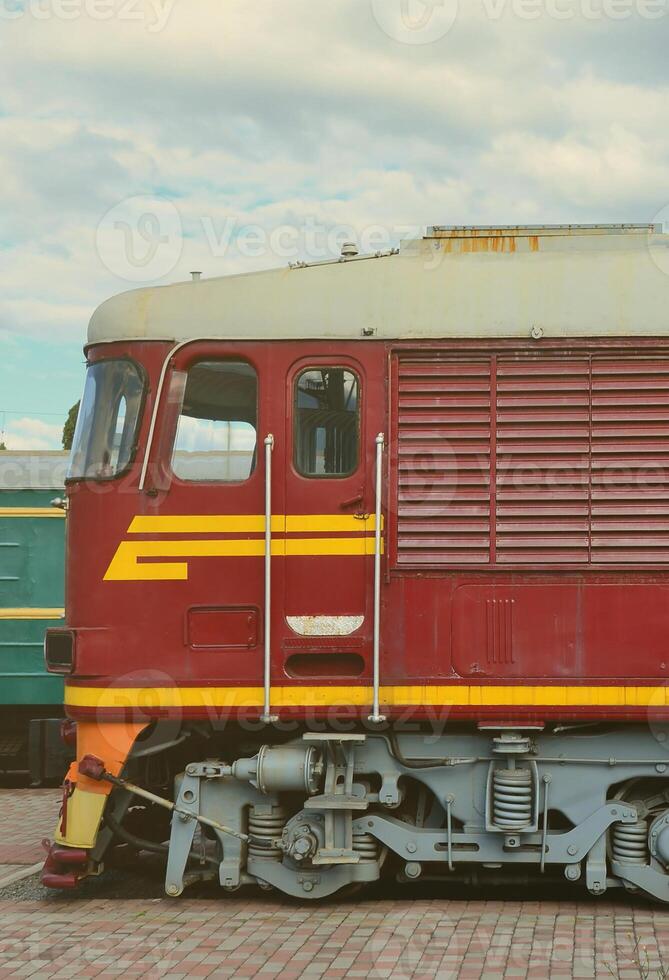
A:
(268, 827)
(629, 843)
(512, 798)
(366, 846)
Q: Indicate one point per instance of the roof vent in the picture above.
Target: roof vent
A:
(349, 250)
(196, 276)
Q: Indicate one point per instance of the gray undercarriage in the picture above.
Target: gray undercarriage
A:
(325, 811)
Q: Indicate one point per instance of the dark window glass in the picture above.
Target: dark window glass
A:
(106, 430)
(326, 422)
(217, 431)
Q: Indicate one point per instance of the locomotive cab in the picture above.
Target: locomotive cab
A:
(357, 558)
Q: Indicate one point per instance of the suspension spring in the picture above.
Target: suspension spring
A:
(629, 843)
(269, 827)
(366, 846)
(512, 798)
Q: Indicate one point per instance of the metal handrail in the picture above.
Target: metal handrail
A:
(267, 715)
(376, 717)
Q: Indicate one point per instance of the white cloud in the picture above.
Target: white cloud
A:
(32, 434)
(284, 114)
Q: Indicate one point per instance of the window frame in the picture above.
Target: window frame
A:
(172, 440)
(296, 375)
(144, 379)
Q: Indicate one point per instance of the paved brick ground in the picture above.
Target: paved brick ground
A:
(390, 938)
(266, 936)
(26, 816)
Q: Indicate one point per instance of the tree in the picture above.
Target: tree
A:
(2, 446)
(70, 423)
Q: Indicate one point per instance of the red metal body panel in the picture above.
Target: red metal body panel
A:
(526, 533)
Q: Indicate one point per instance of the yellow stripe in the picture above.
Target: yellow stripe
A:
(317, 523)
(250, 524)
(446, 696)
(204, 524)
(32, 613)
(291, 547)
(125, 567)
(31, 512)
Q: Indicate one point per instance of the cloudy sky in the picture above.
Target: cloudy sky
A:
(141, 139)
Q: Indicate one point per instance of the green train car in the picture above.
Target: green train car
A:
(32, 576)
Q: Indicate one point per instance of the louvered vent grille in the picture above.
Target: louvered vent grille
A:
(444, 463)
(543, 456)
(573, 463)
(630, 461)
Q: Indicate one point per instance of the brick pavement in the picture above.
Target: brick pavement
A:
(26, 816)
(267, 936)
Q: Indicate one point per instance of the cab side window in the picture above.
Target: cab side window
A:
(327, 425)
(217, 430)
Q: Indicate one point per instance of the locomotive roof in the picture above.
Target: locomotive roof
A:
(568, 280)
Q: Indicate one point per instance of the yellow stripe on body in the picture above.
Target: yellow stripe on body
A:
(250, 524)
(401, 696)
(31, 512)
(125, 566)
(31, 613)
(318, 523)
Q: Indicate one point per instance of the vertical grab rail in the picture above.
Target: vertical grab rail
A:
(267, 715)
(376, 717)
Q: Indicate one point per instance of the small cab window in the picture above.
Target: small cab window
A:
(217, 429)
(106, 432)
(326, 422)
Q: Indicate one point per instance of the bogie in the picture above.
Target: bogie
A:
(323, 812)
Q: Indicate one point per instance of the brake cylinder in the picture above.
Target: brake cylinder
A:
(282, 768)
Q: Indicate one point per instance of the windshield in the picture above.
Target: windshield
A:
(104, 439)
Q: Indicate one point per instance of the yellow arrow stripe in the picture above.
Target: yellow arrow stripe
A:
(31, 512)
(126, 567)
(31, 613)
(401, 696)
(250, 524)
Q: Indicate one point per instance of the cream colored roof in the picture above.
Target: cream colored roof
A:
(460, 282)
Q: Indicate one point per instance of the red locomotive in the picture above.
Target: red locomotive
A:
(368, 569)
